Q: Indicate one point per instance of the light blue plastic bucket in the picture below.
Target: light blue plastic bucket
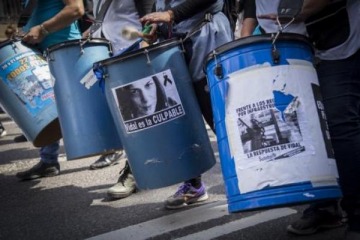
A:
(168, 144)
(26, 92)
(271, 127)
(86, 122)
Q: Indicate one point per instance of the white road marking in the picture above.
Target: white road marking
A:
(190, 217)
(240, 224)
(168, 223)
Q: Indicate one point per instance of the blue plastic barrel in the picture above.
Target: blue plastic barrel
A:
(271, 127)
(26, 92)
(87, 125)
(157, 116)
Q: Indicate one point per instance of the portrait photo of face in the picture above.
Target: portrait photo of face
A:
(143, 96)
(146, 96)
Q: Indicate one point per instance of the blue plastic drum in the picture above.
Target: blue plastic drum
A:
(271, 127)
(86, 122)
(157, 116)
(26, 92)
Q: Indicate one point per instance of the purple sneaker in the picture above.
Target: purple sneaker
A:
(185, 195)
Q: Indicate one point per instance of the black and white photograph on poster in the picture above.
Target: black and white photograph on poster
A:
(149, 101)
(266, 131)
(273, 130)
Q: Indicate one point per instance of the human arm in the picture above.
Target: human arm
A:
(178, 13)
(249, 22)
(248, 27)
(73, 10)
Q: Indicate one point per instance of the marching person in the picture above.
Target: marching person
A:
(205, 27)
(39, 36)
(117, 17)
(334, 27)
(51, 22)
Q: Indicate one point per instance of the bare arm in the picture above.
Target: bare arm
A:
(73, 10)
(248, 27)
(249, 22)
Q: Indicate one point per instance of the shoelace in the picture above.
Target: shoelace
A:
(183, 189)
(124, 174)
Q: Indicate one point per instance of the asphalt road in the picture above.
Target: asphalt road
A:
(74, 205)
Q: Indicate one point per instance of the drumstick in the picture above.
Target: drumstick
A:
(130, 33)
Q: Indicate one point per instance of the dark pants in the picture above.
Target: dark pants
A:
(340, 86)
(204, 100)
(203, 96)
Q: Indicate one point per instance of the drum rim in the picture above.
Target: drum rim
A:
(10, 40)
(60, 45)
(140, 51)
(4, 43)
(256, 39)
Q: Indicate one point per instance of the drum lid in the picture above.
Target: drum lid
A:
(77, 42)
(258, 39)
(123, 57)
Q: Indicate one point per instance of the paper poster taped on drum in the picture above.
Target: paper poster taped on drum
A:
(28, 76)
(148, 102)
(273, 127)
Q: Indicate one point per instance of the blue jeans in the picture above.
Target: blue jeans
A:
(340, 86)
(49, 154)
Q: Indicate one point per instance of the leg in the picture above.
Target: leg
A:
(340, 85)
(203, 96)
(193, 190)
(48, 165)
(49, 154)
(125, 185)
(319, 215)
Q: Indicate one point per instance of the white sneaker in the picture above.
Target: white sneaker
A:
(2, 133)
(125, 186)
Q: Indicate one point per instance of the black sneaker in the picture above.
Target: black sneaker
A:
(313, 220)
(40, 170)
(20, 138)
(107, 160)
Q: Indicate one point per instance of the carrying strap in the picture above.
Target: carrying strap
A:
(166, 30)
(207, 18)
(100, 15)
